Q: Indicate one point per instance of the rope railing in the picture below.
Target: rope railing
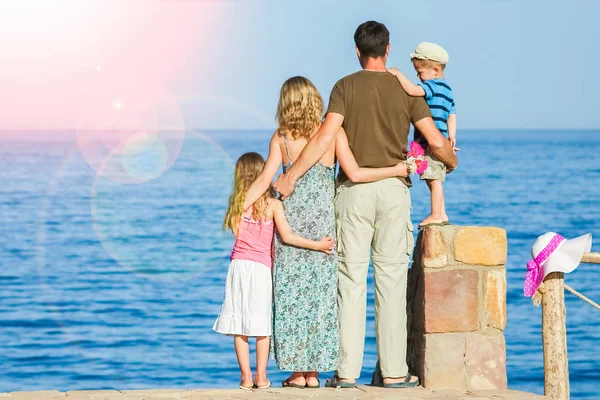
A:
(591, 258)
(582, 297)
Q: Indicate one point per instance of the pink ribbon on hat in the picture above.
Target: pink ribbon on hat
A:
(535, 272)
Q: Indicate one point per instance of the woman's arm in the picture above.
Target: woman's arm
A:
(410, 88)
(315, 149)
(357, 174)
(261, 184)
(325, 245)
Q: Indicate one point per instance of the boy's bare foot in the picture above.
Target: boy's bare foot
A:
(445, 217)
(431, 220)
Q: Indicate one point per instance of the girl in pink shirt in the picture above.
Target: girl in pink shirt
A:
(246, 310)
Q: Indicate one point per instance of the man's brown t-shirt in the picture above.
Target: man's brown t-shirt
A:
(377, 116)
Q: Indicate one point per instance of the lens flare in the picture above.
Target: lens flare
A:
(144, 159)
(124, 114)
(136, 247)
(168, 228)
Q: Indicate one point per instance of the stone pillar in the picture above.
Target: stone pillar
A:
(457, 308)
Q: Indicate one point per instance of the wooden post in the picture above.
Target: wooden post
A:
(593, 258)
(554, 336)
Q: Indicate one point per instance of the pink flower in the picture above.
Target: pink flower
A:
(416, 150)
(416, 159)
(421, 165)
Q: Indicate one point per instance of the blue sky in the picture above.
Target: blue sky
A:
(514, 64)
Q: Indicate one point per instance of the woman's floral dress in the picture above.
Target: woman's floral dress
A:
(305, 319)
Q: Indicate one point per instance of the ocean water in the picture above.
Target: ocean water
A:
(107, 285)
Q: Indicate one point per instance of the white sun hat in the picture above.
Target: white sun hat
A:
(553, 253)
(430, 51)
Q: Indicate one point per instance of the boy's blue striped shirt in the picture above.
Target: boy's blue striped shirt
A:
(439, 97)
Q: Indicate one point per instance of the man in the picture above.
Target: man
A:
(372, 217)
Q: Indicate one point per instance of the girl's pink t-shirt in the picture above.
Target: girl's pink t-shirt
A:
(254, 242)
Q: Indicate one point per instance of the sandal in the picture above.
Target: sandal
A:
(421, 227)
(246, 388)
(336, 383)
(318, 385)
(288, 384)
(401, 385)
(268, 385)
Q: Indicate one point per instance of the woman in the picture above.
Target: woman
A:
(305, 325)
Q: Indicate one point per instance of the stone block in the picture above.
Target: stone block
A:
(494, 299)
(480, 245)
(444, 364)
(485, 361)
(435, 249)
(451, 301)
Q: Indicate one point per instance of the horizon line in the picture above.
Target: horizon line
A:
(270, 129)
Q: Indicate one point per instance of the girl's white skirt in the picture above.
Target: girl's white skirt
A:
(247, 307)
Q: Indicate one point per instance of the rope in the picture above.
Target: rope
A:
(537, 297)
(582, 297)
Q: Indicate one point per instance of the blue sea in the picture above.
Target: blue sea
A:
(108, 285)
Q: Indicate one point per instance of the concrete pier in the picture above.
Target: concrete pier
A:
(360, 392)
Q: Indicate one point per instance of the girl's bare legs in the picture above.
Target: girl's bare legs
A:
(262, 358)
(242, 351)
(312, 378)
(438, 211)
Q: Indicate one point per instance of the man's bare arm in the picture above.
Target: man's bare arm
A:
(438, 144)
(317, 146)
(311, 154)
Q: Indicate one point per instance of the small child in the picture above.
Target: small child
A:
(429, 60)
(246, 310)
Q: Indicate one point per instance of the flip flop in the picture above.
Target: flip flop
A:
(288, 384)
(318, 385)
(246, 388)
(446, 223)
(401, 385)
(421, 227)
(268, 385)
(336, 383)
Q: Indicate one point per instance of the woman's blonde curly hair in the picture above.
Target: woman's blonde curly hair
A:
(300, 108)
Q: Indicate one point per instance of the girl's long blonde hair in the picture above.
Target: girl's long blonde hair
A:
(247, 168)
(300, 108)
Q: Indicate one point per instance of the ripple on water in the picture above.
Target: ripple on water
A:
(125, 297)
